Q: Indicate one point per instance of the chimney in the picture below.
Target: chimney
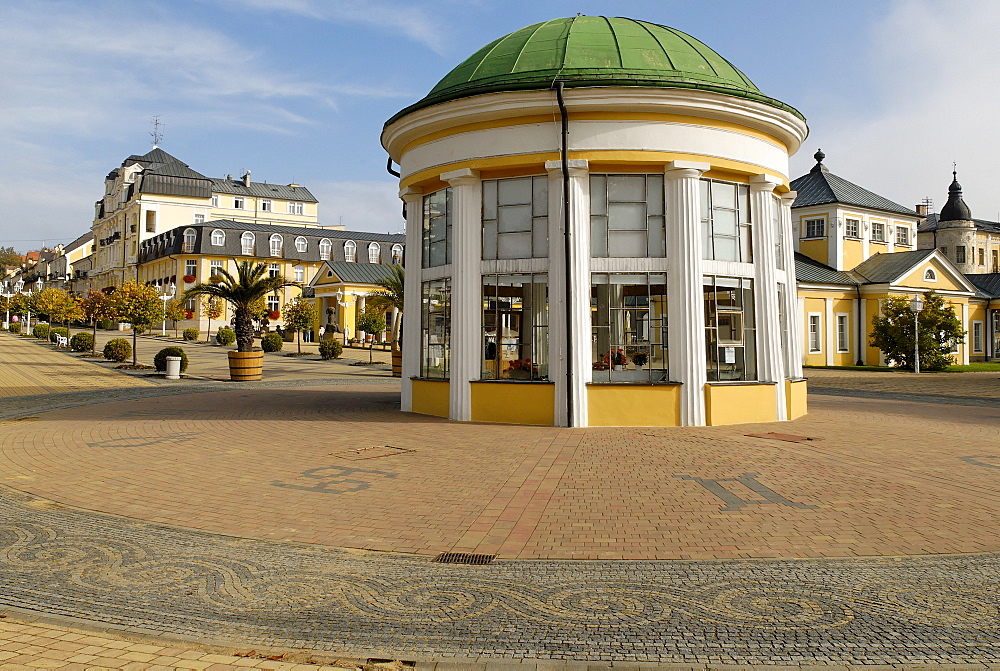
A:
(921, 209)
(246, 178)
(229, 177)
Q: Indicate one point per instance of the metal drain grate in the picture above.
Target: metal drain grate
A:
(786, 437)
(373, 452)
(463, 558)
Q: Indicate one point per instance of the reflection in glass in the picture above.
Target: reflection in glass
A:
(515, 327)
(628, 317)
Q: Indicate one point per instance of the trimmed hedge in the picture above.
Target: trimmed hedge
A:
(190, 334)
(14, 327)
(160, 360)
(225, 336)
(271, 342)
(58, 331)
(105, 325)
(117, 349)
(330, 349)
(82, 342)
(41, 331)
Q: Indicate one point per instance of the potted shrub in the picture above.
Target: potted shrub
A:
(250, 284)
(640, 359)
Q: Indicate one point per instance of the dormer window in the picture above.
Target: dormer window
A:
(246, 242)
(275, 243)
(397, 254)
(300, 244)
(350, 251)
(218, 237)
(325, 247)
(374, 251)
(190, 237)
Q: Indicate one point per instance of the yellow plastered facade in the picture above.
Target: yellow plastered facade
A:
(633, 405)
(740, 403)
(431, 397)
(815, 248)
(841, 304)
(513, 403)
(796, 398)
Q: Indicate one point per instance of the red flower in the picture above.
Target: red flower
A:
(274, 314)
(189, 278)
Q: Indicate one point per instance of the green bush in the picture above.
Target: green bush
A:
(40, 331)
(271, 342)
(14, 327)
(82, 342)
(225, 336)
(117, 349)
(58, 331)
(190, 334)
(105, 324)
(160, 360)
(330, 349)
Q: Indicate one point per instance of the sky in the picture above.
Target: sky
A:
(894, 91)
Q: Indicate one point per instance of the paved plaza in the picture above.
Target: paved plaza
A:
(303, 513)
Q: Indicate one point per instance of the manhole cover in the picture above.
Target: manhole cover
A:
(786, 437)
(374, 452)
(463, 558)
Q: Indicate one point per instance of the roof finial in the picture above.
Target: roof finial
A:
(819, 167)
(819, 156)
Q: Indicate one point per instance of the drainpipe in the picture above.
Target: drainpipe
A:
(564, 157)
(394, 173)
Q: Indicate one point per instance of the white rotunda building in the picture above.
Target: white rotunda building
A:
(599, 234)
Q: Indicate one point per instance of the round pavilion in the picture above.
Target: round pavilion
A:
(598, 233)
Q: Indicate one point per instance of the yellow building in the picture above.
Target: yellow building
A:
(155, 193)
(185, 256)
(856, 248)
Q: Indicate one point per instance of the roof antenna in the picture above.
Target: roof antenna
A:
(157, 135)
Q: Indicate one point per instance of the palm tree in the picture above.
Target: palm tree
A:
(251, 284)
(389, 295)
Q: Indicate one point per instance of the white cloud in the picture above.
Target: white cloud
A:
(360, 206)
(933, 68)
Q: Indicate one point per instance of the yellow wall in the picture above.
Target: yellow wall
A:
(854, 252)
(796, 398)
(943, 283)
(871, 311)
(815, 248)
(431, 397)
(513, 403)
(633, 405)
(740, 403)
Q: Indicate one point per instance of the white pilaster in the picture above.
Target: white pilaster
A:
(793, 308)
(965, 329)
(770, 367)
(466, 288)
(412, 260)
(830, 341)
(575, 275)
(835, 241)
(685, 292)
(859, 330)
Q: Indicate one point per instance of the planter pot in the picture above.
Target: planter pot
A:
(245, 366)
(397, 363)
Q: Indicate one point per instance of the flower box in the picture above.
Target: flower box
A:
(189, 279)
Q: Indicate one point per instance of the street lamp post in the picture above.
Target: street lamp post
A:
(916, 305)
(168, 293)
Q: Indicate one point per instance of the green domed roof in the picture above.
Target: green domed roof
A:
(588, 51)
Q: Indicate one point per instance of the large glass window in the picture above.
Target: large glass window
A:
(725, 221)
(515, 218)
(628, 321)
(730, 329)
(515, 327)
(246, 242)
(626, 216)
(436, 235)
(435, 326)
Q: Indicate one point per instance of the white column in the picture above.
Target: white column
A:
(793, 308)
(965, 329)
(830, 341)
(685, 292)
(770, 367)
(576, 274)
(834, 241)
(412, 261)
(466, 288)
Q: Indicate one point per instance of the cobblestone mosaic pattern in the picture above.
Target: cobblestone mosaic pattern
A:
(186, 583)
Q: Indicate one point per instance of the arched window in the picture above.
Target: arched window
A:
(930, 275)
(300, 244)
(190, 236)
(350, 251)
(275, 243)
(246, 242)
(218, 237)
(374, 251)
(325, 247)
(397, 254)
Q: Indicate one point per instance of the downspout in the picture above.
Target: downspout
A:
(394, 173)
(861, 339)
(567, 247)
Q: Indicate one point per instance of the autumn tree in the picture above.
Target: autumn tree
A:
(58, 305)
(940, 331)
(300, 315)
(212, 307)
(175, 312)
(9, 257)
(372, 321)
(96, 306)
(139, 305)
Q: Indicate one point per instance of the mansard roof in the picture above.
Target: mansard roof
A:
(820, 186)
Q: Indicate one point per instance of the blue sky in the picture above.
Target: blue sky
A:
(297, 90)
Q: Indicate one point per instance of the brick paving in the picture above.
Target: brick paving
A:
(333, 465)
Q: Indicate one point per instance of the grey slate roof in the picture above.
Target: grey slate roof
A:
(263, 190)
(358, 273)
(931, 224)
(883, 268)
(83, 239)
(987, 283)
(820, 186)
(810, 271)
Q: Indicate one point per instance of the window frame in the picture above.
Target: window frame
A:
(436, 249)
(352, 255)
(437, 324)
(248, 249)
(296, 207)
(603, 234)
(850, 222)
(496, 243)
(903, 235)
(218, 237)
(745, 370)
(374, 252)
(397, 254)
(266, 205)
(325, 249)
(960, 255)
(239, 203)
(878, 232)
(977, 334)
(301, 244)
(508, 330)
(275, 250)
(814, 334)
(809, 227)
(843, 335)
(273, 269)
